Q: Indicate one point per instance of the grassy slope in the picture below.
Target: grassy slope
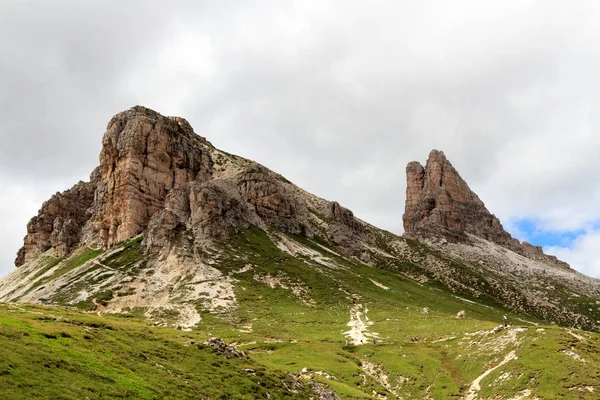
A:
(61, 354)
(283, 334)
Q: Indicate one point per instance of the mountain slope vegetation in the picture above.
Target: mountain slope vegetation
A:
(295, 319)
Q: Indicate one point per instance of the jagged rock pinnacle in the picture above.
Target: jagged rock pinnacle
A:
(440, 203)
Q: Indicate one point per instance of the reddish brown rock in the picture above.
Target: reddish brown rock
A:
(440, 203)
(58, 223)
(144, 156)
(438, 200)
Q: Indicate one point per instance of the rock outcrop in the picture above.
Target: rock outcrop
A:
(144, 156)
(202, 209)
(183, 199)
(157, 177)
(219, 346)
(440, 203)
(272, 200)
(438, 200)
(346, 230)
(58, 223)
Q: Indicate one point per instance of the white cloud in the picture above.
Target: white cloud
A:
(18, 201)
(583, 254)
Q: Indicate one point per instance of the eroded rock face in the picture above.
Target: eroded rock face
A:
(144, 156)
(216, 206)
(156, 178)
(537, 254)
(58, 223)
(440, 203)
(346, 230)
(166, 224)
(438, 199)
(345, 217)
(268, 196)
(212, 209)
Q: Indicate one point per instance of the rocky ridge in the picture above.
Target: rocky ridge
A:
(155, 222)
(186, 235)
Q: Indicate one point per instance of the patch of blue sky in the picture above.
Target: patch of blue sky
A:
(530, 231)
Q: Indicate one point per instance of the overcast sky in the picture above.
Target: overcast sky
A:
(338, 96)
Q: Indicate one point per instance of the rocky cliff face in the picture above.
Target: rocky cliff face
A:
(58, 223)
(438, 200)
(159, 211)
(144, 156)
(440, 203)
(156, 176)
(272, 200)
(346, 231)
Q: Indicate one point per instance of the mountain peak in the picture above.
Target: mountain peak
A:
(156, 176)
(440, 203)
(438, 200)
(144, 156)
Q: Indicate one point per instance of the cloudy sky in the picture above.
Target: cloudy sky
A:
(338, 96)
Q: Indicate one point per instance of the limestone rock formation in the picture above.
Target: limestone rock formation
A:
(144, 156)
(157, 177)
(268, 196)
(537, 254)
(439, 200)
(346, 230)
(345, 217)
(201, 209)
(58, 223)
(440, 203)
(183, 199)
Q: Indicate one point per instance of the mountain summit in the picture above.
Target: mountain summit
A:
(440, 203)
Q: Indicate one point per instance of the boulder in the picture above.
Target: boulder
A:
(222, 348)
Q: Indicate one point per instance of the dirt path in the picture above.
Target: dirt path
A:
(472, 393)
(375, 372)
(99, 308)
(97, 262)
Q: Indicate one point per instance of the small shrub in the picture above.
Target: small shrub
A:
(104, 297)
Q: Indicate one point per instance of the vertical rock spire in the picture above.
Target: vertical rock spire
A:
(440, 203)
(439, 200)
